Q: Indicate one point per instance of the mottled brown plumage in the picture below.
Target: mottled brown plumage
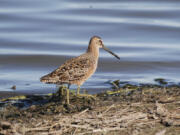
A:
(73, 71)
(77, 70)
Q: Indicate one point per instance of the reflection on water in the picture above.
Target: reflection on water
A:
(38, 36)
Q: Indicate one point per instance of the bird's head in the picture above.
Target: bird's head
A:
(97, 42)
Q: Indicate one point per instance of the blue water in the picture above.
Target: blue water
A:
(36, 36)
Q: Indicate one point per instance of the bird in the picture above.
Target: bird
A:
(77, 70)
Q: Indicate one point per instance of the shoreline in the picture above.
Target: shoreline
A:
(8, 94)
(158, 82)
(130, 110)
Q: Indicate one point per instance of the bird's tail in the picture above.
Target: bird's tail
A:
(47, 79)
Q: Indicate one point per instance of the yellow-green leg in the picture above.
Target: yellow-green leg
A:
(78, 90)
(67, 96)
(83, 95)
(62, 90)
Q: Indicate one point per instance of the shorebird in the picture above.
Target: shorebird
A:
(77, 70)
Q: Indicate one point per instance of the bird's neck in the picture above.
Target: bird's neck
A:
(94, 50)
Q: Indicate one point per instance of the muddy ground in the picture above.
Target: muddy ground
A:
(130, 110)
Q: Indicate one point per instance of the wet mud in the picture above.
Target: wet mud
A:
(128, 110)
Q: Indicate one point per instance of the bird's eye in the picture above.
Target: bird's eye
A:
(100, 42)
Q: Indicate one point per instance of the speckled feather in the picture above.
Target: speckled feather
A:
(74, 71)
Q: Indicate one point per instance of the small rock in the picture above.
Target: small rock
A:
(5, 125)
(13, 87)
(33, 108)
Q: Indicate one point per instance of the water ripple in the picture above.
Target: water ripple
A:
(38, 36)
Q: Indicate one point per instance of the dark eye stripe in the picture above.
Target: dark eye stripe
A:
(100, 41)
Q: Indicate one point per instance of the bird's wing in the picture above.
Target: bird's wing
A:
(72, 70)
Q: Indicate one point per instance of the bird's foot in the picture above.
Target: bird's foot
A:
(86, 96)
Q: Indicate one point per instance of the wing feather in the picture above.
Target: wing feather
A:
(72, 70)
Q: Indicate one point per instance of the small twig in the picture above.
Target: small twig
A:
(101, 130)
(79, 126)
(58, 132)
(37, 125)
(112, 106)
(83, 112)
(115, 85)
(37, 129)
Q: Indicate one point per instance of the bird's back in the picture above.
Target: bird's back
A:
(74, 71)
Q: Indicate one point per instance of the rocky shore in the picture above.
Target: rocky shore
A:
(128, 110)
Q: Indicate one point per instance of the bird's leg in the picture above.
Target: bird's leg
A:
(78, 90)
(62, 91)
(67, 94)
(84, 95)
(87, 96)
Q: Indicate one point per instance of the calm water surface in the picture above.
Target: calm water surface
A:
(36, 36)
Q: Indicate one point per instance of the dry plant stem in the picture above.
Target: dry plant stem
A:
(116, 86)
(112, 106)
(83, 112)
(67, 96)
(37, 129)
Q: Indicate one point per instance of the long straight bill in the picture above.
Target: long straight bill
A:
(106, 49)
